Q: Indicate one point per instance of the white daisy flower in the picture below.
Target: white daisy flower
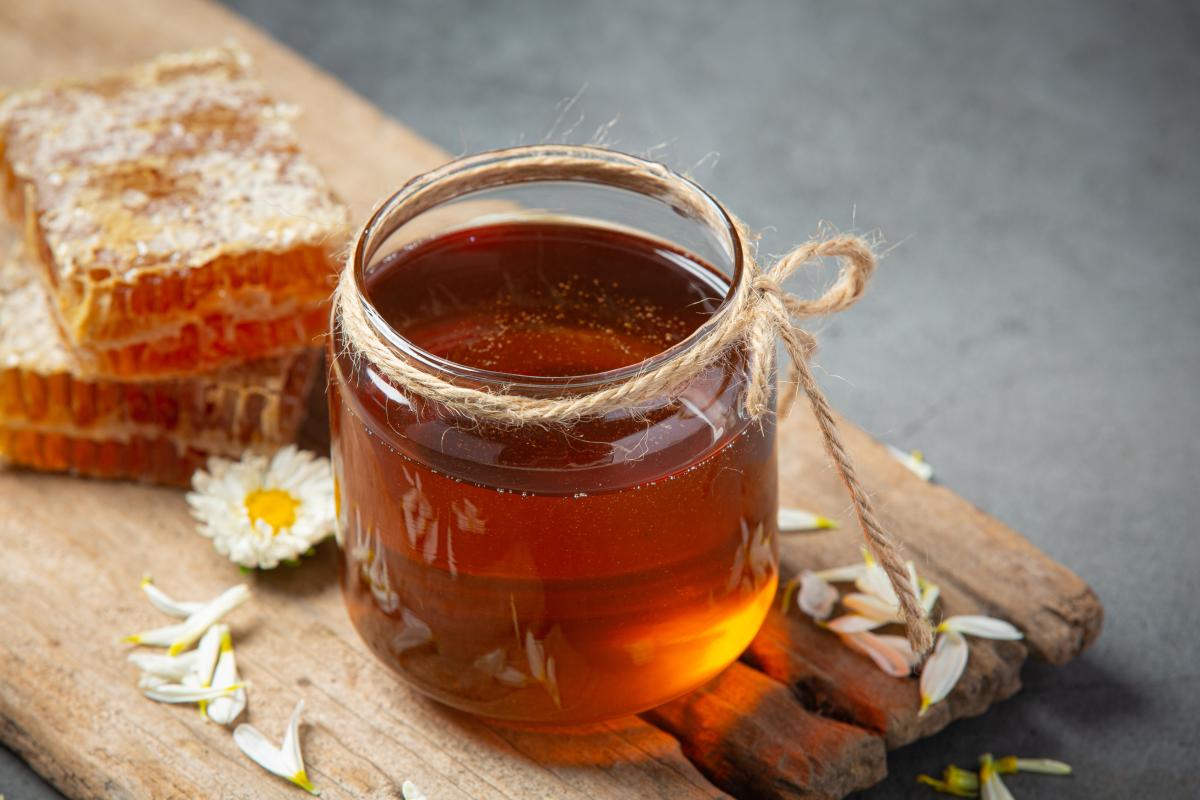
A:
(260, 512)
(286, 761)
(915, 461)
(793, 520)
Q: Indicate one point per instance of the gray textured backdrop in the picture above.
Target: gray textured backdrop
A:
(1037, 331)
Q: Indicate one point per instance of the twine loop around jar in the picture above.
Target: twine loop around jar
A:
(757, 312)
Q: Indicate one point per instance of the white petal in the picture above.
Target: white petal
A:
(261, 752)
(206, 658)
(816, 597)
(891, 661)
(224, 710)
(994, 789)
(158, 637)
(174, 608)
(870, 606)
(901, 645)
(929, 597)
(792, 520)
(171, 668)
(1043, 766)
(536, 657)
(852, 623)
(551, 682)
(874, 581)
(195, 626)
(410, 791)
(151, 681)
(414, 633)
(178, 693)
(285, 762)
(983, 627)
(915, 462)
(943, 669)
(846, 574)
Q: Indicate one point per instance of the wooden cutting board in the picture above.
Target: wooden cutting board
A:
(800, 716)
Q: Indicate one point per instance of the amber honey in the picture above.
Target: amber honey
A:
(563, 573)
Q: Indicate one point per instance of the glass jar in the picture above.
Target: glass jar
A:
(558, 573)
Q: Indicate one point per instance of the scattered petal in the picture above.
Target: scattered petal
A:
(846, 574)
(929, 597)
(915, 461)
(947, 785)
(891, 661)
(874, 581)
(206, 658)
(852, 623)
(410, 791)
(180, 636)
(1041, 766)
(901, 645)
(178, 693)
(943, 669)
(226, 708)
(817, 598)
(168, 668)
(495, 663)
(174, 608)
(990, 785)
(413, 633)
(870, 606)
(982, 627)
(794, 520)
(287, 761)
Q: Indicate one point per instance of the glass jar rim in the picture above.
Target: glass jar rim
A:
(391, 214)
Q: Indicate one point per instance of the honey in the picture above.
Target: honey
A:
(562, 573)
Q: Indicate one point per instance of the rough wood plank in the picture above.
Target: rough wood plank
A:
(748, 734)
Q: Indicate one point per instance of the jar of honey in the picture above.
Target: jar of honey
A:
(550, 572)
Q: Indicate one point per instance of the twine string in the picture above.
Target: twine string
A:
(782, 309)
(757, 312)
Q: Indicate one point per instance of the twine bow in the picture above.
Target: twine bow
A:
(780, 316)
(756, 311)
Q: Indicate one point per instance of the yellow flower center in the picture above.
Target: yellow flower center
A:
(276, 507)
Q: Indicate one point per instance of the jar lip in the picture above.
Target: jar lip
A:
(389, 217)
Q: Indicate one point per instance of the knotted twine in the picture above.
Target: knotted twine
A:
(756, 313)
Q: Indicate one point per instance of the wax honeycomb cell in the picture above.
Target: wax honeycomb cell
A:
(177, 225)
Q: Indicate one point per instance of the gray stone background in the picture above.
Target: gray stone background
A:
(1037, 329)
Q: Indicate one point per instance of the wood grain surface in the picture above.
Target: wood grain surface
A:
(800, 717)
